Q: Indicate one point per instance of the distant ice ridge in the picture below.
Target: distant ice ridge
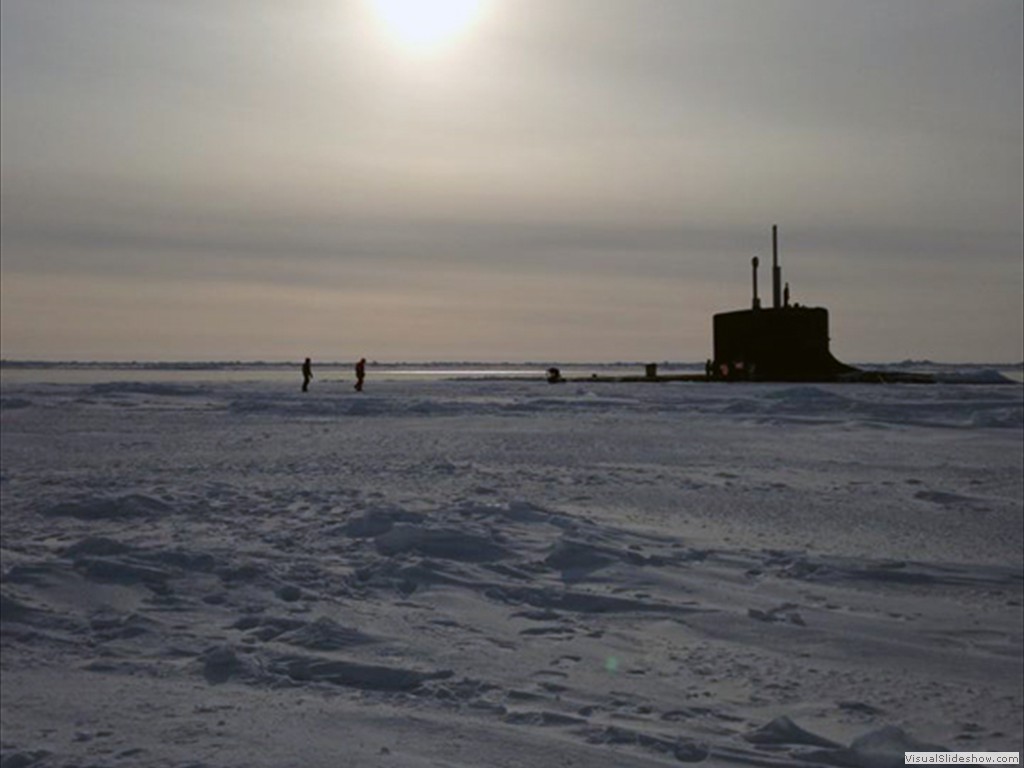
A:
(958, 373)
(974, 376)
(944, 404)
(96, 372)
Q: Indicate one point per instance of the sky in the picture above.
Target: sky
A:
(545, 180)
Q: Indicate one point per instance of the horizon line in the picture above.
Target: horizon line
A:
(379, 363)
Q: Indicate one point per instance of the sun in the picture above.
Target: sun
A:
(426, 25)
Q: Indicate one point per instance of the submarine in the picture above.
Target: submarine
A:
(784, 342)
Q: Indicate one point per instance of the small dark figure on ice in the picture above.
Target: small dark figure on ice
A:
(360, 373)
(307, 374)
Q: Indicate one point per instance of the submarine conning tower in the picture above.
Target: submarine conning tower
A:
(784, 343)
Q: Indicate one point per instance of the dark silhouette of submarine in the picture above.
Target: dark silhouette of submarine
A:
(786, 342)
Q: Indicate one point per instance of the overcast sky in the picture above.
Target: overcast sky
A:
(565, 180)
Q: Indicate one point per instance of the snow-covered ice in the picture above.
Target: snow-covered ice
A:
(208, 572)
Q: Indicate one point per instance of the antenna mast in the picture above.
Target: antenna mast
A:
(754, 262)
(776, 269)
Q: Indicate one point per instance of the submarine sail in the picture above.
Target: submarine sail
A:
(784, 343)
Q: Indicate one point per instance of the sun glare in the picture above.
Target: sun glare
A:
(425, 25)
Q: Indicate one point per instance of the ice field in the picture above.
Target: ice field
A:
(216, 571)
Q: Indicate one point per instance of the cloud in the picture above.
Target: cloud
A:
(589, 173)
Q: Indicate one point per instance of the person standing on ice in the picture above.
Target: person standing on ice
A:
(307, 374)
(360, 373)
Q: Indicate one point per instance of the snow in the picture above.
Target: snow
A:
(207, 571)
